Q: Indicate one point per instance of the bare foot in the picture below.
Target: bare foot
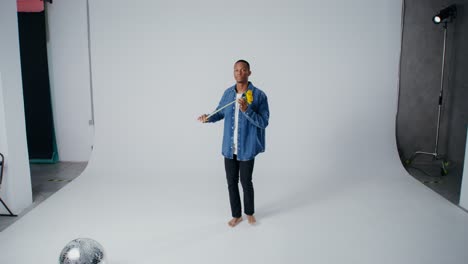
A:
(234, 221)
(251, 219)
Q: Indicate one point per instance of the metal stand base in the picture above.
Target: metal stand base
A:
(435, 156)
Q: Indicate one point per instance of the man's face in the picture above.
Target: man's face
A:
(241, 72)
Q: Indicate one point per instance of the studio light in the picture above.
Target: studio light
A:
(445, 15)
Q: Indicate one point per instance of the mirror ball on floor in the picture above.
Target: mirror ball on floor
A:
(82, 251)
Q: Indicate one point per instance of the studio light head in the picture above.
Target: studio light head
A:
(445, 15)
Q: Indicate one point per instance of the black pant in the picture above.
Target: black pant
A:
(233, 167)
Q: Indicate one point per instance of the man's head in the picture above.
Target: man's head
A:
(242, 71)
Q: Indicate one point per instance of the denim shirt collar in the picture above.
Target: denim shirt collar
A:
(249, 87)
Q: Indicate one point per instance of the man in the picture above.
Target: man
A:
(244, 137)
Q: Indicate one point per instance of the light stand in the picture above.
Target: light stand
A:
(444, 16)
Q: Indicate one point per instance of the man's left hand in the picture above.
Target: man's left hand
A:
(243, 104)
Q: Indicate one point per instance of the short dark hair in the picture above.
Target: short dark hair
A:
(244, 61)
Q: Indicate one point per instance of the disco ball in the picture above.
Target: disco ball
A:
(82, 251)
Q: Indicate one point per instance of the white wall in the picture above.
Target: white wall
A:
(16, 186)
(69, 78)
(3, 133)
(464, 187)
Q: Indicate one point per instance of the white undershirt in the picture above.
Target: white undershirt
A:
(236, 121)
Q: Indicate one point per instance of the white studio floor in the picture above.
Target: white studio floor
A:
(373, 218)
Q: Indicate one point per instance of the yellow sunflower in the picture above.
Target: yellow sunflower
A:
(249, 96)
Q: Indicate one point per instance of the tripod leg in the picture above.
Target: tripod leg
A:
(11, 214)
(411, 159)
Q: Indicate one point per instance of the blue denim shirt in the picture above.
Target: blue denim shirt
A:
(251, 127)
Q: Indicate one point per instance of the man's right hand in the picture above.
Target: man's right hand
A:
(203, 118)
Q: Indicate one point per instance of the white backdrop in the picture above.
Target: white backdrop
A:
(330, 72)
(330, 187)
(68, 60)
